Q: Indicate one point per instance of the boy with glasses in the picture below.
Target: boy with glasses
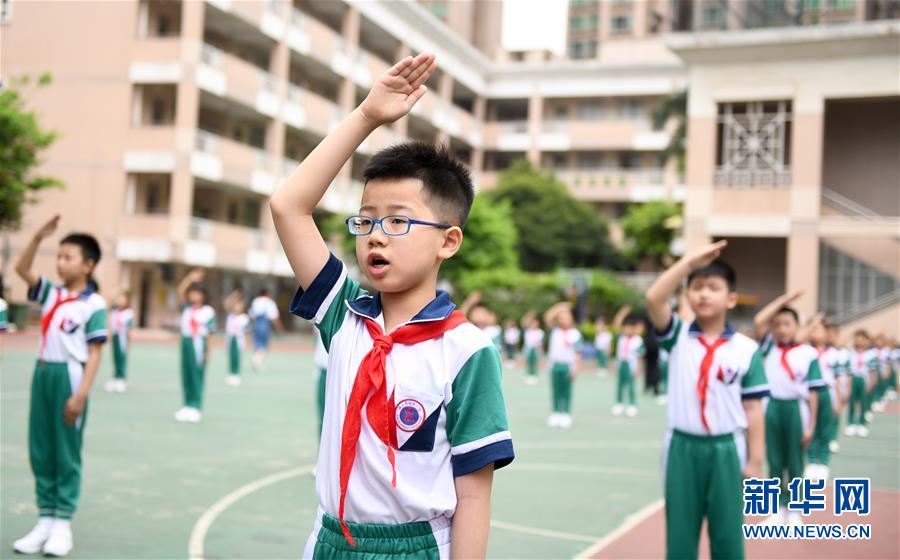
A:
(415, 422)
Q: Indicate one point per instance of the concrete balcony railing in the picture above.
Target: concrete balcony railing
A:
(221, 159)
(149, 137)
(625, 185)
(306, 110)
(605, 134)
(506, 135)
(304, 32)
(226, 75)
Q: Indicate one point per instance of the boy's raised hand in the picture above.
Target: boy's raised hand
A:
(707, 254)
(398, 89)
(48, 228)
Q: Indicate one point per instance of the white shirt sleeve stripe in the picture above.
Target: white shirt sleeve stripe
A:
(320, 314)
(479, 443)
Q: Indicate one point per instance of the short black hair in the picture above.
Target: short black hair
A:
(632, 319)
(90, 249)
(863, 333)
(447, 183)
(717, 268)
(789, 311)
(197, 287)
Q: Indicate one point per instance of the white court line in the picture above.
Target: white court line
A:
(542, 532)
(198, 533)
(630, 523)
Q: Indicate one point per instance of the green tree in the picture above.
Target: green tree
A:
(674, 107)
(554, 228)
(489, 242)
(649, 231)
(21, 141)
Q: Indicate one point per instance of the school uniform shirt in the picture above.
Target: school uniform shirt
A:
(511, 336)
(78, 320)
(236, 326)
(196, 324)
(884, 360)
(264, 307)
(494, 332)
(862, 363)
(4, 322)
(121, 321)
(563, 346)
(733, 374)
(449, 414)
(629, 349)
(534, 338)
(320, 356)
(793, 373)
(603, 341)
(832, 362)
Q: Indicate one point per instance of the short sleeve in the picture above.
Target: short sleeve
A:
(211, 322)
(95, 330)
(667, 338)
(41, 291)
(641, 349)
(754, 384)
(814, 376)
(477, 427)
(273, 311)
(323, 302)
(4, 322)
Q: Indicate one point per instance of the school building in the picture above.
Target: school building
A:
(179, 118)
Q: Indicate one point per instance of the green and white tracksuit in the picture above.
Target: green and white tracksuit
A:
(793, 371)
(629, 350)
(562, 354)
(705, 447)
(121, 321)
(235, 329)
(54, 447)
(863, 365)
(196, 324)
(4, 320)
(830, 366)
(450, 421)
(534, 339)
(320, 357)
(603, 344)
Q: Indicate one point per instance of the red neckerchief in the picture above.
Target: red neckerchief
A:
(48, 317)
(370, 386)
(785, 348)
(705, 366)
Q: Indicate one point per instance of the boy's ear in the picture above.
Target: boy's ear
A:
(732, 300)
(453, 238)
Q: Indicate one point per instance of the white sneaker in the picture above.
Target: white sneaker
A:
(618, 409)
(565, 421)
(60, 541)
(877, 406)
(33, 542)
(120, 385)
(553, 420)
(182, 414)
(233, 380)
(775, 518)
(661, 400)
(631, 411)
(110, 386)
(834, 446)
(531, 380)
(891, 395)
(824, 472)
(192, 415)
(850, 430)
(869, 416)
(794, 518)
(862, 431)
(602, 373)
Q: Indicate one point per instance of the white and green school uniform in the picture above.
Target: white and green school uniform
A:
(196, 324)
(705, 446)
(449, 421)
(121, 321)
(235, 328)
(793, 371)
(836, 360)
(862, 364)
(4, 321)
(830, 366)
(534, 340)
(561, 354)
(69, 323)
(511, 337)
(884, 373)
(603, 343)
(320, 358)
(629, 350)
(663, 364)
(496, 335)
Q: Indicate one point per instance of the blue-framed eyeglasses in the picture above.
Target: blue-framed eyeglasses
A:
(390, 225)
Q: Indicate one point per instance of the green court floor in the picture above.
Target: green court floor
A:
(148, 480)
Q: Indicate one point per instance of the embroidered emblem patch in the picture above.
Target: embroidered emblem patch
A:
(410, 415)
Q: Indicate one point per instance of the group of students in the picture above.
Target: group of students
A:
(414, 421)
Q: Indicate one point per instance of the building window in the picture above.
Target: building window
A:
(591, 110)
(593, 21)
(575, 50)
(713, 16)
(621, 24)
(163, 26)
(158, 112)
(5, 10)
(591, 49)
(631, 110)
(753, 144)
(849, 288)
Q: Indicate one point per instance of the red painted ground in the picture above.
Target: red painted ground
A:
(647, 539)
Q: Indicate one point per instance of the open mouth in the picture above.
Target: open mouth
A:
(377, 263)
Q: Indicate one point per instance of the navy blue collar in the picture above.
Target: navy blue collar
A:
(84, 294)
(437, 309)
(695, 330)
